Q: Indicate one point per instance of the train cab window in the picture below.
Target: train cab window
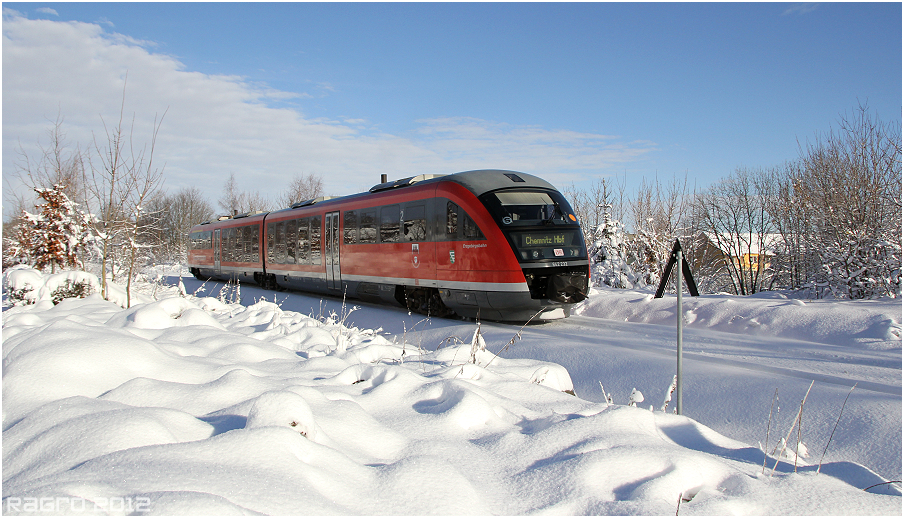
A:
(302, 245)
(367, 233)
(350, 224)
(530, 207)
(291, 239)
(315, 239)
(415, 223)
(200, 240)
(390, 217)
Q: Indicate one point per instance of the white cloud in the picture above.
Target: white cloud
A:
(474, 143)
(221, 124)
(801, 9)
(47, 10)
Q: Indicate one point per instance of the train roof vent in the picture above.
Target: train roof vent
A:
(404, 182)
(248, 214)
(311, 201)
(513, 177)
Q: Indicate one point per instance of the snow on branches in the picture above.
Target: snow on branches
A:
(53, 237)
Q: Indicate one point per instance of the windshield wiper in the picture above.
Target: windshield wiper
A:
(552, 216)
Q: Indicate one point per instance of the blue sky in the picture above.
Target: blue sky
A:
(570, 92)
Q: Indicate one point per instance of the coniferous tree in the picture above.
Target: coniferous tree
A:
(55, 236)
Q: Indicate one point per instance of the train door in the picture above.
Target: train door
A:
(216, 251)
(331, 250)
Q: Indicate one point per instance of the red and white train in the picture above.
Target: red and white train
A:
(496, 245)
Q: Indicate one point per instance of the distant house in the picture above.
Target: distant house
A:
(745, 250)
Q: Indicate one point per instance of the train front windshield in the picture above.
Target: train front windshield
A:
(540, 225)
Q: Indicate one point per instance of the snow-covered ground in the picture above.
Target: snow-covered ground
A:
(289, 404)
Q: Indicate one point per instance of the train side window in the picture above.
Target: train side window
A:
(281, 242)
(236, 236)
(390, 217)
(350, 222)
(368, 230)
(224, 245)
(236, 243)
(255, 244)
(241, 244)
(415, 223)
(271, 242)
(230, 245)
(315, 239)
(303, 245)
(246, 244)
(291, 239)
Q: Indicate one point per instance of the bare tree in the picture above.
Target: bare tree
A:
(580, 203)
(733, 215)
(233, 201)
(849, 185)
(660, 215)
(302, 187)
(230, 201)
(796, 260)
(123, 179)
(175, 215)
(57, 163)
(146, 180)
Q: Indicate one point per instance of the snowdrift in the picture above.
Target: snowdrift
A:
(869, 324)
(192, 406)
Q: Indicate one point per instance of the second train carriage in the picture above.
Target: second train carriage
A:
(498, 245)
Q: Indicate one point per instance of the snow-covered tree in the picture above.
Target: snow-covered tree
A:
(17, 239)
(56, 235)
(847, 188)
(610, 254)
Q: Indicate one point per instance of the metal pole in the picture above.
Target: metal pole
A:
(678, 265)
